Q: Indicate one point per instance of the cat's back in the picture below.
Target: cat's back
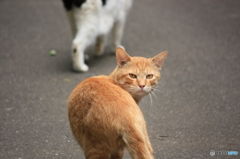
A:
(104, 118)
(97, 103)
(101, 94)
(99, 88)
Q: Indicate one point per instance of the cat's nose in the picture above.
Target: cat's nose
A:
(141, 86)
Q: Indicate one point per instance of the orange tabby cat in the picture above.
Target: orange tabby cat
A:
(103, 115)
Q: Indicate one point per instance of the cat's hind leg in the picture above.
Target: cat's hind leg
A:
(87, 20)
(96, 152)
(137, 144)
(100, 44)
(118, 154)
(72, 21)
(148, 141)
(117, 32)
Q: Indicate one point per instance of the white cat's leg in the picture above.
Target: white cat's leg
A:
(85, 37)
(117, 32)
(118, 27)
(78, 57)
(87, 21)
(100, 44)
(72, 21)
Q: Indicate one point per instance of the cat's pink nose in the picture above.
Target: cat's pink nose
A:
(141, 86)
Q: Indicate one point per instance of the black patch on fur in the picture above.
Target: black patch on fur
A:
(74, 51)
(68, 4)
(104, 2)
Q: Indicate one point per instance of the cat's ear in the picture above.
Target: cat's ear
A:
(159, 59)
(122, 57)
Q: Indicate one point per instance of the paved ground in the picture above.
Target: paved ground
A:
(197, 111)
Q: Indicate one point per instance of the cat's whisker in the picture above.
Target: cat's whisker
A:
(130, 90)
(150, 101)
(161, 86)
(155, 89)
(130, 86)
(154, 94)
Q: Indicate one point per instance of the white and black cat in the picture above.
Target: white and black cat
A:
(91, 22)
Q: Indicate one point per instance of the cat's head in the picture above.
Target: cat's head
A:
(137, 75)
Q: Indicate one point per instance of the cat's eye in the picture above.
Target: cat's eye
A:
(132, 75)
(150, 76)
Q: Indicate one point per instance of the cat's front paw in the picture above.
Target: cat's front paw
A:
(81, 68)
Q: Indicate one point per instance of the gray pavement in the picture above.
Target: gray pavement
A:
(197, 110)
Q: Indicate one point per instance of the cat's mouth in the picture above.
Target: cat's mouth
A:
(142, 91)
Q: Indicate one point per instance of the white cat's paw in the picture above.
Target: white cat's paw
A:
(84, 68)
(81, 68)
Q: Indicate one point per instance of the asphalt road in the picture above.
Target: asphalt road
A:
(197, 110)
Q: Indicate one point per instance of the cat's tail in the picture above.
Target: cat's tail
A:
(137, 143)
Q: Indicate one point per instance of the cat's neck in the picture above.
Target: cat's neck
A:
(137, 98)
(112, 74)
